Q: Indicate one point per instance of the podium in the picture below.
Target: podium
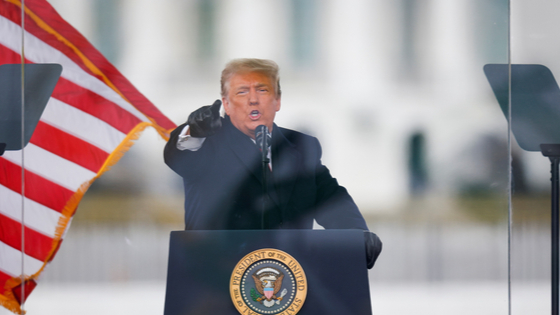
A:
(267, 272)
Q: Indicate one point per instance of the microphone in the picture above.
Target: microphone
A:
(263, 140)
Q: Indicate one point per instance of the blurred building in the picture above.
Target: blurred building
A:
(393, 89)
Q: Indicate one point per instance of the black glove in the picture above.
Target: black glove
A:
(373, 248)
(205, 121)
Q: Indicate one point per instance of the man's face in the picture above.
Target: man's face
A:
(251, 101)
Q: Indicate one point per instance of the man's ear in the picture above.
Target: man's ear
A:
(278, 105)
(225, 104)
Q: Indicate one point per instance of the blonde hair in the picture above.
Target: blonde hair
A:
(242, 65)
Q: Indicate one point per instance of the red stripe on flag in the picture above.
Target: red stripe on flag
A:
(68, 147)
(37, 245)
(28, 287)
(37, 188)
(95, 105)
(4, 277)
(8, 56)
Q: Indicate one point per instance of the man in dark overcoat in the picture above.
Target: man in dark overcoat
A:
(222, 167)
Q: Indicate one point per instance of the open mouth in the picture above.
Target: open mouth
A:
(255, 114)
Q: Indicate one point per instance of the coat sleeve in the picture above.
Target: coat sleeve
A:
(186, 163)
(335, 208)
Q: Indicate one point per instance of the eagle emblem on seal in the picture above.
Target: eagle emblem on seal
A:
(268, 282)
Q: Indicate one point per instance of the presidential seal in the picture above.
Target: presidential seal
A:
(268, 281)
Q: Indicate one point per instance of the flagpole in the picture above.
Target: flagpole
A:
(22, 301)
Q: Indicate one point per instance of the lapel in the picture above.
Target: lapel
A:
(245, 150)
(285, 160)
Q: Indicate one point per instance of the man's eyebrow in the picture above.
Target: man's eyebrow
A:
(241, 87)
(246, 86)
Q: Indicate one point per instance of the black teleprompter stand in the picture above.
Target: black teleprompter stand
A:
(39, 83)
(552, 151)
(535, 112)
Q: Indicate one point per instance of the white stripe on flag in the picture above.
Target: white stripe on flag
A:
(39, 52)
(82, 125)
(51, 167)
(37, 217)
(10, 261)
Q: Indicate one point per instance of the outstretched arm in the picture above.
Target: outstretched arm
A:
(202, 123)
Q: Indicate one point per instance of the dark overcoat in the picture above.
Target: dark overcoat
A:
(224, 185)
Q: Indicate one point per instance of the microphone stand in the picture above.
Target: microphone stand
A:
(265, 161)
(261, 137)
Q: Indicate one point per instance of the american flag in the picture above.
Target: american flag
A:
(91, 119)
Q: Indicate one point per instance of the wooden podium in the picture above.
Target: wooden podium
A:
(267, 272)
